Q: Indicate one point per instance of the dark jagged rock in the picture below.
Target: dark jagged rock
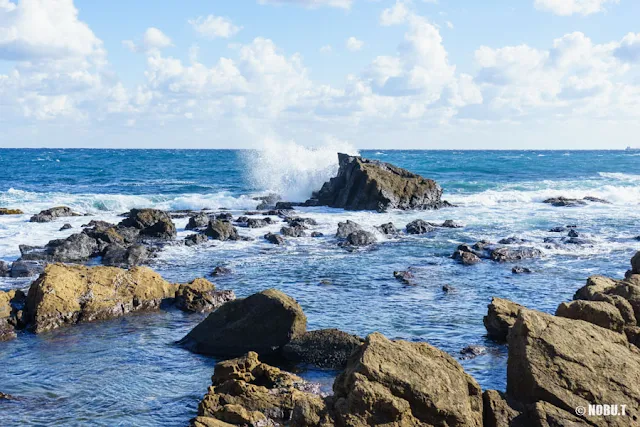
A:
(419, 227)
(520, 270)
(359, 238)
(296, 221)
(200, 296)
(451, 224)
(472, 351)
(511, 241)
(67, 226)
(557, 230)
(11, 314)
(257, 222)
(284, 206)
(275, 239)
(346, 228)
(389, 229)
(596, 200)
(262, 322)
(514, 254)
(295, 231)
(325, 348)
(5, 269)
(466, 257)
(500, 318)
(221, 271)
(363, 184)
(405, 277)
(9, 211)
(198, 221)
(317, 234)
(635, 263)
(151, 223)
(564, 202)
(573, 233)
(49, 215)
(221, 230)
(26, 268)
(131, 256)
(195, 239)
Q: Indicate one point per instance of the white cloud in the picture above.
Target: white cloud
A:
(394, 15)
(449, 25)
(571, 7)
(326, 49)
(214, 26)
(629, 49)
(153, 39)
(342, 4)
(353, 44)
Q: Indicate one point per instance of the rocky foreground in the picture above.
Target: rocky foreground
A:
(555, 365)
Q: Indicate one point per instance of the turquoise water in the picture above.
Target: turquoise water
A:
(129, 372)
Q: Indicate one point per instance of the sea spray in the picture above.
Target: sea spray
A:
(291, 170)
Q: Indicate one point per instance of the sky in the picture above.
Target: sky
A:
(418, 74)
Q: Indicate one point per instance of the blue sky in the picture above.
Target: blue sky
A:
(372, 74)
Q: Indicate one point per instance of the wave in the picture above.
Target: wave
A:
(95, 203)
(291, 170)
(626, 177)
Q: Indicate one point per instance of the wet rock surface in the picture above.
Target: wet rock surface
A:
(49, 215)
(325, 348)
(221, 230)
(419, 227)
(363, 184)
(201, 296)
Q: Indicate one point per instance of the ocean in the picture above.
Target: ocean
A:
(129, 371)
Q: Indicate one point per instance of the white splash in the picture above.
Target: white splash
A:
(294, 171)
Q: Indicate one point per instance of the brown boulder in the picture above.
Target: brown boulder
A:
(599, 313)
(8, 211)
(262, 322)
(69, 294)
(500, 318)
(400, 383)
(568, 363)
(201, 296)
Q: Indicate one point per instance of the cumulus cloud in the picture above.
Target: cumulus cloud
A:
(214, 26)
(353, 44)
(394, 15)
(342, 4)
(629, 49)
(572, 7)
(153, 39)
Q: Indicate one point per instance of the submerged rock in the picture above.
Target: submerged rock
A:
(363, 184)
(69, 294)
(564, 202)
(466, 257)
(325, 348)
(221, 271)
(200, 296)
(275, 239)
(49, 215)
(520, 270)
(262, 322)
(405, 277)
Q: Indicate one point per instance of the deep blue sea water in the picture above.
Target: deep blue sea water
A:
(129, 372)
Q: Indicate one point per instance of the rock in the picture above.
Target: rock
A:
(400, 383)
(513, 254)
(69, 294)
(296, 231)
(195, 239)
(599, 313)
(247, 392)
(26, 268)
(451, 224)
(635, 263)
(221, 230)
(221, 271)
(5, 269)
(75, 248)
(419, 227)
(389, 229)
(118, 256)
(497, 412)
(275, 239)
(257, 223)
(520, 270)
(346, 228)
(363, 184)
(569, 363)
(49, 215)
(360, 238)
(573, 233)
(473, 351)
(466, 258)
(317, 234)
(325, 348)
(4, 396)
(9, 211)
(596, 200)
(151, 223)
(500, 318)
(405, 277)
(98, 223)
(563, 201)
(557, 230)
(296, 221)
(511, 241)
(66, 226)
(285, 206)
(198, 221)
(11, 305)
(201, 296)
(446, 288)
(262, 322)
(595, 285)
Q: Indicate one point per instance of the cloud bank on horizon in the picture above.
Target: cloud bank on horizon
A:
(385, 74)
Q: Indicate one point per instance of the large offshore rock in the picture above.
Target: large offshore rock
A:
(363, 184)
(262, 322)
(569, 363)
(325, 348)
(400, 383)
(49, 215)
(501, 316)
(69, 294)
(151, 223)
